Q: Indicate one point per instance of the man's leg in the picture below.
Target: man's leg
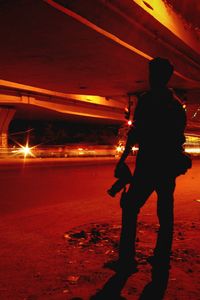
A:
(165, 212)
(137, 195)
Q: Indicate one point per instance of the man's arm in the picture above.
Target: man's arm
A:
(131, 140)
(132, 137)
(126, 152)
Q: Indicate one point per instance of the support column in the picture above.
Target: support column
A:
(6, 115)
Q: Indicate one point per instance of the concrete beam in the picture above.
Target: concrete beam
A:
(156, 31)
(6, 115)
(68, 104)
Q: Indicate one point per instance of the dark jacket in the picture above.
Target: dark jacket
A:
(158, 127)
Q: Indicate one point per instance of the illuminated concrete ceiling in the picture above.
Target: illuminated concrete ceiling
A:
(189, 10)
(95, 47)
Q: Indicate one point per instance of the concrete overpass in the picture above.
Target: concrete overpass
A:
(81, 59)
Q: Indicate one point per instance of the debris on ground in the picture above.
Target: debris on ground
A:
(89, 247)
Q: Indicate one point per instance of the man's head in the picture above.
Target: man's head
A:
(160, 71)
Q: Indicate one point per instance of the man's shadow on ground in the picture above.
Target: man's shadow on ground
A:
(154, 290)
(158, 285)
(112, 288)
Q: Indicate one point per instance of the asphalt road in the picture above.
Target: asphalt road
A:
(44, 183)
(39, 203)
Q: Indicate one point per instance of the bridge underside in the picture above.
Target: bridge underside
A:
(96, 48)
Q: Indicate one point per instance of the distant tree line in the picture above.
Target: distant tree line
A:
(62, 133)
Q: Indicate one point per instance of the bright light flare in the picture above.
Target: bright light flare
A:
(194, 150)
(120, 148)
(135, 148)
(26, 150)
(129, 122)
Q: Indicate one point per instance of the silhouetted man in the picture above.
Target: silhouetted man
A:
(158, 129)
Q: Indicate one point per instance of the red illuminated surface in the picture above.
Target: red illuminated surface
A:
(40, 204)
